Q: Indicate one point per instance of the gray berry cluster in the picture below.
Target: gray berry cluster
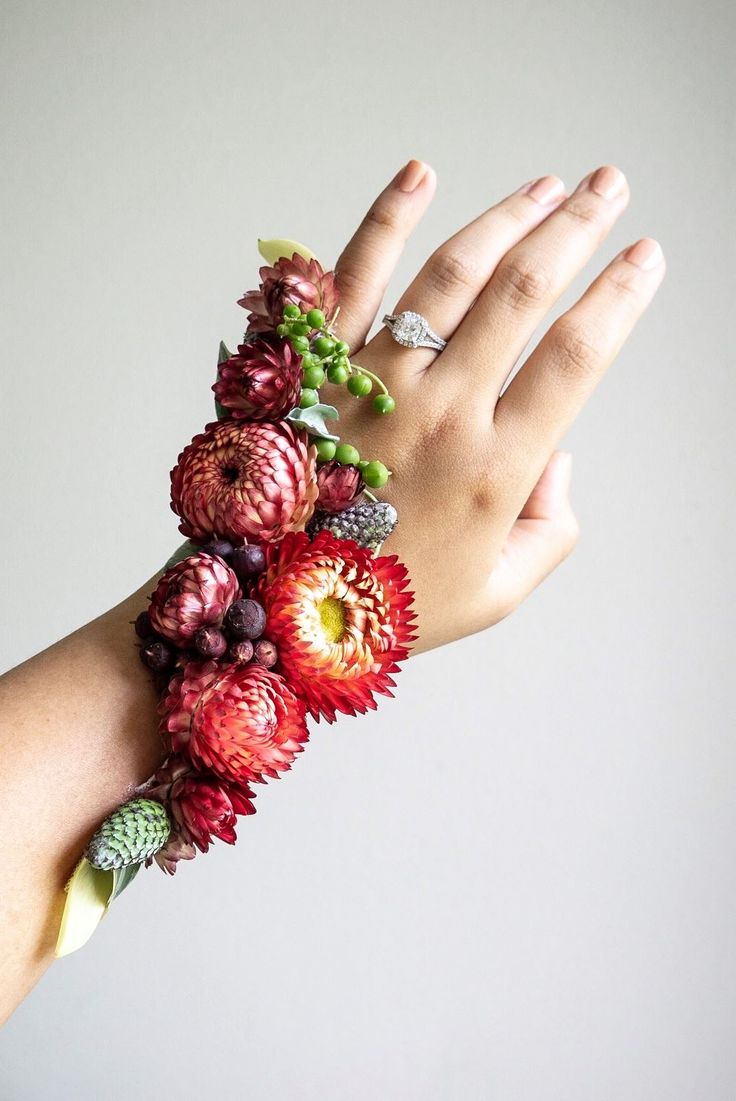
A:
(369, 524)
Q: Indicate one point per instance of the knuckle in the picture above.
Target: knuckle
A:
(625, 284)
(584, 212)
(381, 218)
(516, 212)
(351, 280)
(521, 283)
(451, 272)
(576, 348)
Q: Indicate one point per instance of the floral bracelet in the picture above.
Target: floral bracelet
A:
(278, 605)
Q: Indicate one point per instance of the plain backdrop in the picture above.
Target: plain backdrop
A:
(516, 882)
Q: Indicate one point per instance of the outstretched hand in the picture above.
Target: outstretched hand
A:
(481, 492)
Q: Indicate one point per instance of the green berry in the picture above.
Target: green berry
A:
(282, 330)
(337, 373)
(341, 348)
(313, 377)
(308, 398)
(316, 319)
(362, 464)
(325, 450)
(341, 361)
(345, 453)
(300, 344)
(309, 360)
(359, 385)
(292, 311)
(299, 328)
(384, 403)
(375, 474)
(324, 346)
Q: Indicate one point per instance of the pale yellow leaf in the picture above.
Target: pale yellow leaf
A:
(88, 893)
(277, 247)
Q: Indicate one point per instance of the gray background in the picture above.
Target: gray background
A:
(517, 881)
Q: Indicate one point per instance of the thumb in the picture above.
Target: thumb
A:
(544, 534)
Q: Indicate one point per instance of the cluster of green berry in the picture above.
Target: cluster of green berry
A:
(325, 358)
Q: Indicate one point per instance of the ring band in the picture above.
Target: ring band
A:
(411, 330)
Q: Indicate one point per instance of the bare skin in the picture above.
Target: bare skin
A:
(475, 473)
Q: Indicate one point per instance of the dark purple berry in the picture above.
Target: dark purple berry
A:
(241, 652)
(245, 619)
(210, 642)
(221, 547)
(143, 626)
(156, 655)
(248, 561)
(265, 652)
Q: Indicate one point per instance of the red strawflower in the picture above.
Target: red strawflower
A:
(244, 480)
(341, 620)
(243, 722)
(302, 282)
(338, 486)
(194, 593)
(202, 806)
(262, 382)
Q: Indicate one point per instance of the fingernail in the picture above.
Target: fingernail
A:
(645, 254)
(607, 182)
(412, 175)
(545, 190)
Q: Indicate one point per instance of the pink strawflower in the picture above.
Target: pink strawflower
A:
(245, 480)
(302, 282)
(338, 486)
(262, 382)
(194, 593)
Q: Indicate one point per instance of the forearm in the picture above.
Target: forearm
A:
(77, 734)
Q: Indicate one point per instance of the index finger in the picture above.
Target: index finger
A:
(368, 260)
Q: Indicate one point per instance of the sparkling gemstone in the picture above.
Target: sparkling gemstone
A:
(409, 328)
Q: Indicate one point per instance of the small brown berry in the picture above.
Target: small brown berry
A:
(210, 642)
(143, 626)
(245, 619)
(248, 561)
(241, 652)
(156, 655)
(266, 653)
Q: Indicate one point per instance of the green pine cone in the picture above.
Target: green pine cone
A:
(369, 524)
(130, 835)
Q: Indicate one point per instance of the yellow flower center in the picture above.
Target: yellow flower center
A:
(332, 618)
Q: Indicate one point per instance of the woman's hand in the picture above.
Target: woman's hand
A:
(482, 495)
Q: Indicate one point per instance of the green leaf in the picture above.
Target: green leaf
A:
(185, 551)
(223, 353)
(88, 894)
(122, 877)
(313, 419)
(276, 248)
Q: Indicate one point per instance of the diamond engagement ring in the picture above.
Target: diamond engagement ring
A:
(413, 331)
